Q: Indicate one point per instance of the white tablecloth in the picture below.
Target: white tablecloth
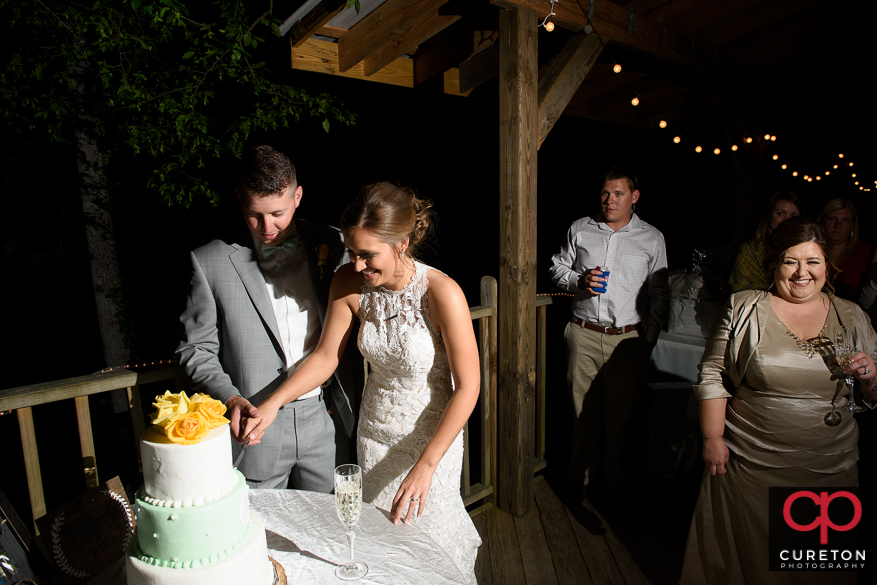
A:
(306, 537)
(678, 355)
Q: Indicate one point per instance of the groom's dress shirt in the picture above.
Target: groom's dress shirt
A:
(295, 305)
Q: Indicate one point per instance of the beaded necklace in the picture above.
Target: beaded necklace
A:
(807, 346)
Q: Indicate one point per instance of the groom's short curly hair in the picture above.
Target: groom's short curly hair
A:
(264, 171)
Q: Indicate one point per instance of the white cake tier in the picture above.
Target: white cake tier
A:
(177, 475)
(248, 563)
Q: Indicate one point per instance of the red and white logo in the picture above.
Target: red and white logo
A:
(822, 521)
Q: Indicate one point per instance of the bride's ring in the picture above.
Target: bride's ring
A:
(414, 499)
(867, 371)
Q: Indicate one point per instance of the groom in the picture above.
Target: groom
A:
(254, 313)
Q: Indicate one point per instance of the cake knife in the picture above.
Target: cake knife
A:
(241, 454)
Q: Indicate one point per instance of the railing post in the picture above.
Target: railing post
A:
(541, 357)
(86, 442)
(487, 335)
(31, 464)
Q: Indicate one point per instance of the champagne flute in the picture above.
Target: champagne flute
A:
(846, 341)
(348, 503)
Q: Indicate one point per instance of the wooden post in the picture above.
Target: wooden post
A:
(31, 464)
(487, 348)
(518, 75)
(86, 442)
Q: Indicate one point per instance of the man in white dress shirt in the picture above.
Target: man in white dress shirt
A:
(611, 334)
(254, 313)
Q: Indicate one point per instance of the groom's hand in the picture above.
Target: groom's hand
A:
(240, 413)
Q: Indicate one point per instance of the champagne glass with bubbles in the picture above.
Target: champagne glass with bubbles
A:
(846, 346)
(348, 503)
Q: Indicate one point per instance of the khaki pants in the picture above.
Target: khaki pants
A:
(605, 375)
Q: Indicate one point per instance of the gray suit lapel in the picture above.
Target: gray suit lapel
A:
(244, 261)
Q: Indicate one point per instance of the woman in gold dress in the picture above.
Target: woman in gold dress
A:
(764, 393)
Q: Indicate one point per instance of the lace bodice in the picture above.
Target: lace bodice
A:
(409, 386)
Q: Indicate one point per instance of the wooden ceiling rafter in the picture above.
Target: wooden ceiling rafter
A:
(613, 22)
(765, 14)
(321, 14)
(393, 29)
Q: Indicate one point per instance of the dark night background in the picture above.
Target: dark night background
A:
(444, 146)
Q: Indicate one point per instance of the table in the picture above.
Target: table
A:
(678, 355)
(306, 537)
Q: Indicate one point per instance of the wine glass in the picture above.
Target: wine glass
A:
(348, 503)
(846, 343)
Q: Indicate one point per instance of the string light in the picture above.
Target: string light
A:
(617, 68)
(818, 178)
(734, 147)
(635, 101)
(748, 140)
(773, 138)
(851, 164)
(698, 149)
(549, 26)
(716, 151)
(677, 140)
(662, 123)
(785, 166)
(840, 155)
(767, 136)
(835, 166)
(794, 173)
(854, 175)
(776, 157)
(827, 173)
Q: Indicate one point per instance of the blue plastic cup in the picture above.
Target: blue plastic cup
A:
(603, 285)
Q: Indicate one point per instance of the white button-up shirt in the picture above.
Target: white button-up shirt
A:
(635, 256)
(295, 305)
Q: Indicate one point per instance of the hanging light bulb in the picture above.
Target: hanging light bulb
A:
(851, 164)
(785, 166)
(716, 151)
(776, 157)
(827, 173)
(840, 155)
(748, 140)
(549, 26)
(662, 123)
(698, 149)
(773, 138)
(677, 140)
(617, 68)
(835, 166)
(734, 147)
(857, 182)
(794, 173)
(854, 174)
(635, 101)
(818, 178)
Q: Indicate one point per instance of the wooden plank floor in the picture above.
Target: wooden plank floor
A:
(560, 543)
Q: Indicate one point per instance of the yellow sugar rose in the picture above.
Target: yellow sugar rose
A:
(188, 429)
(168, 407)
(212, 409)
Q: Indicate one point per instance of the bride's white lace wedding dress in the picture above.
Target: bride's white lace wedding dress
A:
(409, 385)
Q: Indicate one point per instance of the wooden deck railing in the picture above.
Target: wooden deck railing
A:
(24, 398)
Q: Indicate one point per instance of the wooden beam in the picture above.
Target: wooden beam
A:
(518, 92)
(31, 464)
(479, 69)
(313, 20)
(761, 16)
(450, 48)
(564, 77)
(322, 57)
(86, 442)
(612, 21)
(393, 29)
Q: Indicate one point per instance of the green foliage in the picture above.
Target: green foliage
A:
(159, 76)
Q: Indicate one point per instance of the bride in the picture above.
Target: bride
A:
(416, 332)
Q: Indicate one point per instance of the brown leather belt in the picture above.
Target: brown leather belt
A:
(606, 330)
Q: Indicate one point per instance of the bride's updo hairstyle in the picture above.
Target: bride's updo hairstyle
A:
(391, 213)
(799, 230)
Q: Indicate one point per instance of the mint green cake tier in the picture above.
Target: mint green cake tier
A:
(192, 535)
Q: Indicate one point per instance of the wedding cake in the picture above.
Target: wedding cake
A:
(194, 524)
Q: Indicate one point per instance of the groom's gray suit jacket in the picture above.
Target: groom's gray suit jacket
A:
(231, 342)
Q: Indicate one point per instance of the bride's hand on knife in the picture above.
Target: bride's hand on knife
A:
(413, 492)
(255, 428)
